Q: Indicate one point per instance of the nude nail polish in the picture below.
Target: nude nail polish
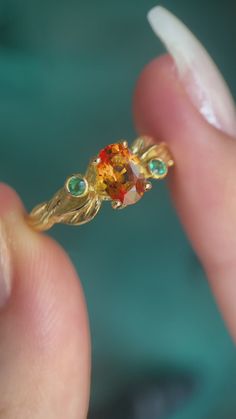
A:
(199, 74)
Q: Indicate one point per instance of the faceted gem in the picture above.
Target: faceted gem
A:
(77, 185)
(120, 175)
(157, 168)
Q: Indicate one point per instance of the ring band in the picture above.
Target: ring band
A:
(118, 174)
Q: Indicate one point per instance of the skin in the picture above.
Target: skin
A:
(44, 333)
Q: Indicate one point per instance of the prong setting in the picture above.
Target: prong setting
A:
(96, 161)
(116, 204)
(171, 163)
(148, 186)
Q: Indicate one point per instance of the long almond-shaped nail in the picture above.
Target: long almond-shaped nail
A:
(198, 72)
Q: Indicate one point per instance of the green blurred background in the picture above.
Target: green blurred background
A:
(67, 74)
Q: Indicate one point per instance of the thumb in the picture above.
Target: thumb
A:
(184, 101)
(44, 343)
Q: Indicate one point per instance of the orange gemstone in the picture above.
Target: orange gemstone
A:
(119, 174)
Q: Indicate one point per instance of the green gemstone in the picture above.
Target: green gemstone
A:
(157, 167)
(77, 185)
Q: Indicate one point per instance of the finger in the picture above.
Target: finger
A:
(203, 182)
(44, 339)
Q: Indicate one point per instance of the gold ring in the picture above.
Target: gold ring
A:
(118, 174)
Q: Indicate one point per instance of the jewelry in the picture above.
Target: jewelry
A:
(119, 174)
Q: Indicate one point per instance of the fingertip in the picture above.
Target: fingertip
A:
(44, 320)
(202, 182)
(43, 275)
(149, 88)
(10, 200)
(161, 107)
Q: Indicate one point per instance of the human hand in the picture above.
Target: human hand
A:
(44, 337)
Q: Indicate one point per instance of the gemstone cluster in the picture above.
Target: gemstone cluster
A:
(121, 174)
(118, 174)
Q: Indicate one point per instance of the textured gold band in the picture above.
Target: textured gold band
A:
(119, 174)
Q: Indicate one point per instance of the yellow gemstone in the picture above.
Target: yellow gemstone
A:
(120, 175)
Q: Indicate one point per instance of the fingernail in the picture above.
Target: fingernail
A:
(200, 76)
(5, 267)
